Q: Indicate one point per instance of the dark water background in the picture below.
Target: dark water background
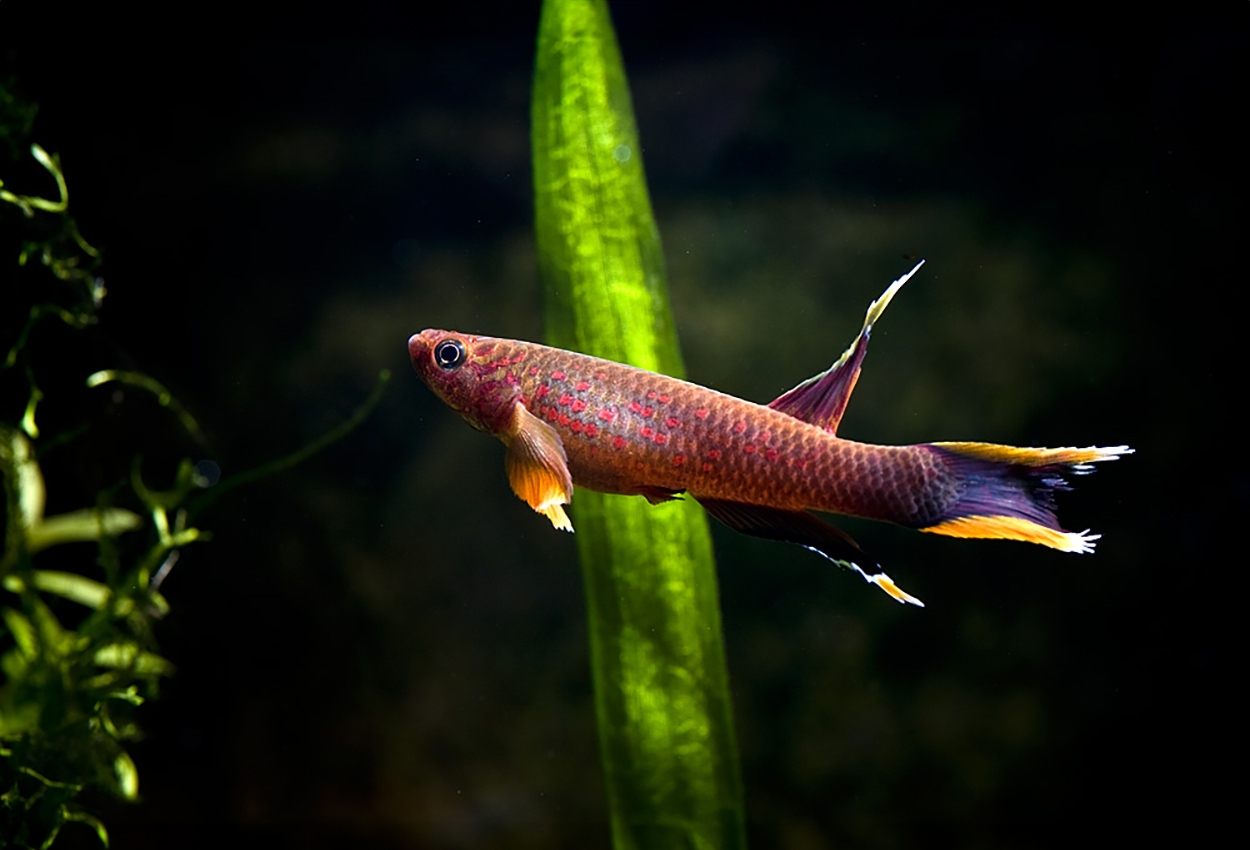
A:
(384, 648)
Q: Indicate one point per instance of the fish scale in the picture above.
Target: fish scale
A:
(569, 419)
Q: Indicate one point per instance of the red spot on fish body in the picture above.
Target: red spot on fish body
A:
(749, 449)
(635, 407)
(578, 406)
(592, 430)
(651, 394)
(740, 426)
(661, 439)
(558, 375)
(647, 411)
(664, 399)
(707, 467)
(601, 376)
(533, 370)
(647, 433)
(771, 454)
(542, 391)
(672, 422)
(511, 379)
(679, 460)
(565, 398)
(563, 419)
(582, 385)
(618, 442)
(764, 436)
(607, 414)
(576, 426)
(702, 413)
(714, 454)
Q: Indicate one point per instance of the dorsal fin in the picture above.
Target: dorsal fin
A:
(821, 400)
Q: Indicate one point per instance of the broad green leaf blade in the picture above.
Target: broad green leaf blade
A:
(598, 247)
(661, 689)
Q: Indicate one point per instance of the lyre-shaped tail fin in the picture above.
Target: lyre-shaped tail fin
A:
(1009, 492)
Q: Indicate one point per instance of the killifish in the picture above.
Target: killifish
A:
(570, 420)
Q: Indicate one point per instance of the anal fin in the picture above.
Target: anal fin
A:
(803, 529)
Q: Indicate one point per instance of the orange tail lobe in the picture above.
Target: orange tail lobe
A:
(1009, 492)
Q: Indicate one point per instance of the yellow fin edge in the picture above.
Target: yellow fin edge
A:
(1014, 528)
(1077, 459)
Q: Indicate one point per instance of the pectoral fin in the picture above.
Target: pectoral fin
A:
(807, 531)
(537, 466)
(821, 400)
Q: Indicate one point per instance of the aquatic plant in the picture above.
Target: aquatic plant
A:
(76, 647)
(77, 651)
(661, 689)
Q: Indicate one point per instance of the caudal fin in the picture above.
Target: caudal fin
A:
(1009, 492)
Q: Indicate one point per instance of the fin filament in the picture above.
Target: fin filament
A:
(884, 582)
(876, 308)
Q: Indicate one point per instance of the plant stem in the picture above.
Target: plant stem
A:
(661, 688)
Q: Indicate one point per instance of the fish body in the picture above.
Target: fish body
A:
(571, 419)
(629, 431)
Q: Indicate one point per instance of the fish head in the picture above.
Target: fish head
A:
(464, 371)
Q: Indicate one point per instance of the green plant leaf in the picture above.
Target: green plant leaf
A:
(72, 586)
(127, 775)
(78, 526)
(131, 657)
(661, 688)
(22, 630)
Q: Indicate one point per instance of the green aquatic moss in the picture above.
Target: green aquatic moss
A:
(661, 688)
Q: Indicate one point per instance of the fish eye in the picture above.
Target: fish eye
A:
(449, 353)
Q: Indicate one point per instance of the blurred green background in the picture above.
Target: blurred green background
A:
(385, 648)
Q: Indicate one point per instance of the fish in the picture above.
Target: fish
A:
(570, 420)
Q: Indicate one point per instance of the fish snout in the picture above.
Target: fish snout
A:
(419, 350)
